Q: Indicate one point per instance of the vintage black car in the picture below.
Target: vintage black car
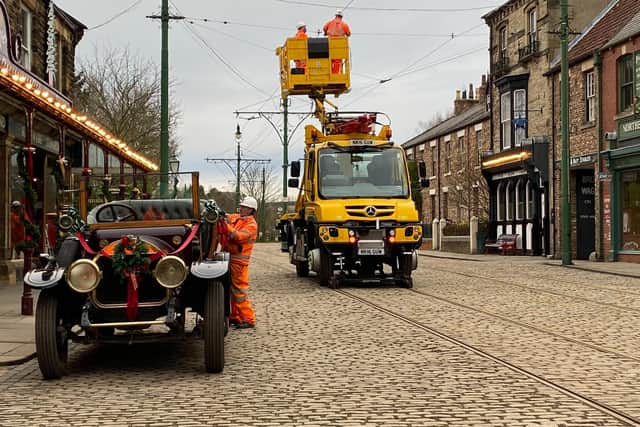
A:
(131, 265)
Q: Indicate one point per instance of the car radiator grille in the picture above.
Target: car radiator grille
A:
(112, 291)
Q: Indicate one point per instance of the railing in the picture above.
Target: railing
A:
(501, 65)
(527, 51)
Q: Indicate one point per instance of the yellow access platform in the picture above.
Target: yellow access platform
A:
(317, 65)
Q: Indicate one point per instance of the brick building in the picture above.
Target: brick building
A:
(586, 135)
(451, 151)
(522, 45)
(41, 134)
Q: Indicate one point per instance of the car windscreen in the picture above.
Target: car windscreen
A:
(363, 173)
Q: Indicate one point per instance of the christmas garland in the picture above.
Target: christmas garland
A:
(32, 231)
(130, 255)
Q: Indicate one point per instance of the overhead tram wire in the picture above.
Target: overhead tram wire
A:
(116, 16)
(204, 27)
(389, 9)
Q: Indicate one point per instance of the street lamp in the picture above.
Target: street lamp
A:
(174, 167)
(238, 139)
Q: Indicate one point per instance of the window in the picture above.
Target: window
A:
(434, 160)
(625, 82)
(530, 200)
(532, 27)
(630, 191)
(479, 145)
(500, 202)
(589, 97)
(447, 160)
(433, 207)
(25, 43)
(520, 200)
(462, 151)
(520, 115)
(502, 44)
(445, 205)
(505, 119)
(511, 199)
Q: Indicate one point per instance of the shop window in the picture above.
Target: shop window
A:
(520, 200)
(505, 120)
(114, 165)
(520, 116)
(625, 83)
(589, 97)
(96, 159)
(73, 153)
(510, 196)
(630, 193)
(530, 200)
(501, 202)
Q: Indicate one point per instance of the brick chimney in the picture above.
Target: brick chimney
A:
(466, 99)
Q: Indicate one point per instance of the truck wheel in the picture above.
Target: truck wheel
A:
(214, 325)
(52, 343)
(302, 268)
(326, 268)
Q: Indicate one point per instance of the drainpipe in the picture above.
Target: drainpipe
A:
(552, 177)
(597, 60)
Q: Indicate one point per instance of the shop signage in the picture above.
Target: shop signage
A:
(582, 160)
(629, 128)
(504, 175)
(604, 176)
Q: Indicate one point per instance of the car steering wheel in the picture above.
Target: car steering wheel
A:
(129, 216)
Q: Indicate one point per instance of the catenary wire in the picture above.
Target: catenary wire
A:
(389, 9)
(116, 16)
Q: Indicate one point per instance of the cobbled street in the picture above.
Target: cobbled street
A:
(558, 339)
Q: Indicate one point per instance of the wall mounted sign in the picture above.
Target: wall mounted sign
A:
(629, 128)
(582, 160)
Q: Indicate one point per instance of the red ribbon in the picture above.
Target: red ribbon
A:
(223, 234)
(132, 296)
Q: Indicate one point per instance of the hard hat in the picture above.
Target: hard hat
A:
(16, 204)
(301, 24)
(339, 12)
(249, 202)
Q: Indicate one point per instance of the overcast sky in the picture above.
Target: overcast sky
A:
(407, 41)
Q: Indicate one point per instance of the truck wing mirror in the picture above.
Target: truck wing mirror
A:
(422, 169)
(295, 169)
(293, 182)
(424, 182)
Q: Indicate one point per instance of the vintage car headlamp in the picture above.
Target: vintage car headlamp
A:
(170, 272)
(65, 222)
(83, 275)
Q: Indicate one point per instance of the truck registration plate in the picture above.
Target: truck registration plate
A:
(362, 142)
(371, 251)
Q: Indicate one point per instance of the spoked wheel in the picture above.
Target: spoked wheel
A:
(326, 268)
(52, 340)
(214, 327)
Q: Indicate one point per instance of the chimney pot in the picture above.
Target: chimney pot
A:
(464, 94)
(457, 94)
(470, 90)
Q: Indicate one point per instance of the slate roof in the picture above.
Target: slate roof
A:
(603, 27)
(473, 115)
(628, 31)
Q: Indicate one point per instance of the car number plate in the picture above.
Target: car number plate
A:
(371, 251)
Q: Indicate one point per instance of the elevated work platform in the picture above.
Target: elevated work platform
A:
(314, 65)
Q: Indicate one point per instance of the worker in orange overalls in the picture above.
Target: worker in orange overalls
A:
(301, 34)
(336, 28)
(243, 231)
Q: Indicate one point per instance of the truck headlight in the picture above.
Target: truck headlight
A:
(83, 276)
(170, 272)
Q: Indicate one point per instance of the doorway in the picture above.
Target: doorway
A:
(585, 214)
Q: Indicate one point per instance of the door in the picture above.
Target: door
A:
(585, 212)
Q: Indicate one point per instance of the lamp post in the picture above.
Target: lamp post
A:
(565, 207)
(174, 168)
(238, 139)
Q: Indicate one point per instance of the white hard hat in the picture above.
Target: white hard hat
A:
(249, 202)
(301, 24)
(339, 12)
(16, 204)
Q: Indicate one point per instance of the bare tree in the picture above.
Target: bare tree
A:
(436, 119)
(472, 193)
(122, 91)
(251, 183)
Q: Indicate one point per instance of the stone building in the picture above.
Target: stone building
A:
(42, 137)
(451, 150)
(523, 42)
(586, 135)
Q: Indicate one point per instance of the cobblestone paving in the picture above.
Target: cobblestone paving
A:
(316, 358)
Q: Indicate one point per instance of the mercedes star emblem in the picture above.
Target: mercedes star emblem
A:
(370, 211)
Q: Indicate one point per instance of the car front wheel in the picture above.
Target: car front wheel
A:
(214, 327)
(52, 343)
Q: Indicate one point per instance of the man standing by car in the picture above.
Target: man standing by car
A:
(243, 231)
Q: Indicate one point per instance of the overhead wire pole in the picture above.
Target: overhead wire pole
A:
(564, 107)
(164, 95)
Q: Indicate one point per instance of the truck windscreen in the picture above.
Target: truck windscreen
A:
(367, 173)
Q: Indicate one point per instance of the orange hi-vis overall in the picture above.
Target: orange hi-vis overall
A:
(243, 231)
(336, 28)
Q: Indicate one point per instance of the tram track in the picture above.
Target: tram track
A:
(538, 290)
(592, 403)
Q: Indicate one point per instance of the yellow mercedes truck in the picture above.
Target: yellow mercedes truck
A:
(355, 220)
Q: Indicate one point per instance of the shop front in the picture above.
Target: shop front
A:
(623, 160)
(518, 195)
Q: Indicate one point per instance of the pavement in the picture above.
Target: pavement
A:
(17, 333)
